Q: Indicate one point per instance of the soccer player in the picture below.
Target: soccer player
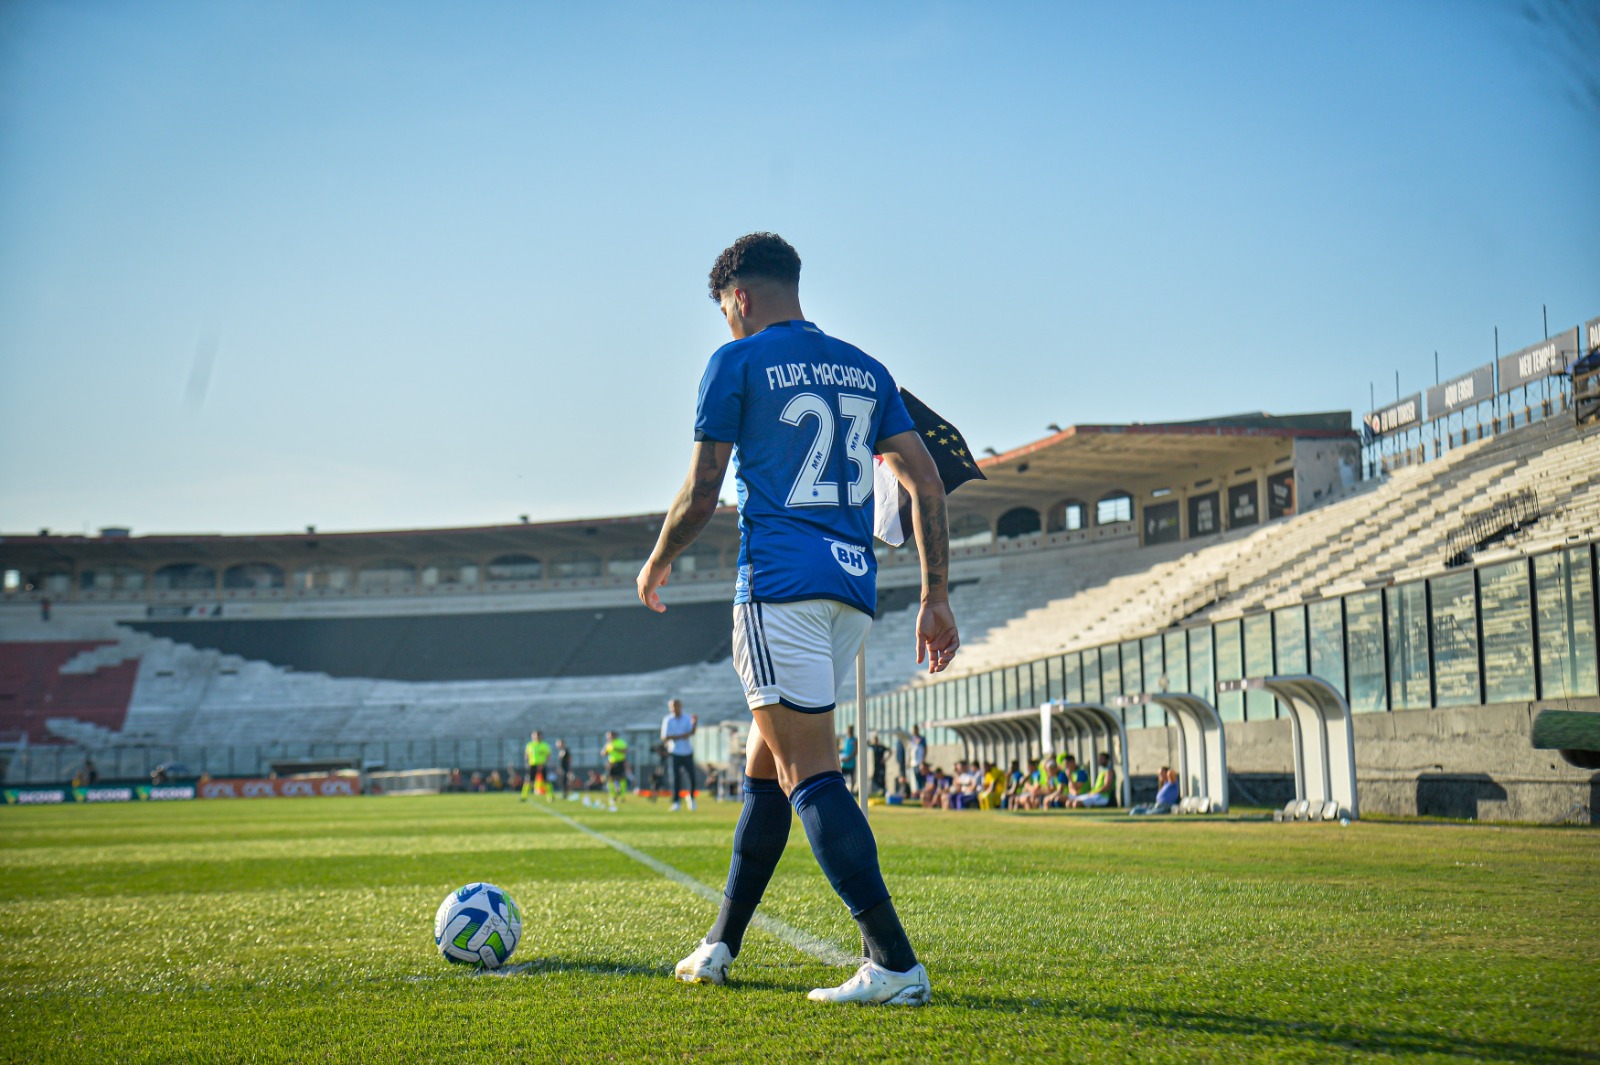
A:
(676, 728)
(538, 753)
(804, 413)
(616, 752)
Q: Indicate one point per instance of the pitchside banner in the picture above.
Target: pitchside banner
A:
(1458, 393)
(1538, 361)
(279, 787)
(1400, 415)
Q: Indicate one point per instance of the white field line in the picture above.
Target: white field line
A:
(805, 942)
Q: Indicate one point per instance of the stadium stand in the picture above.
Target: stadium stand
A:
(1394, 529)
(44, 682)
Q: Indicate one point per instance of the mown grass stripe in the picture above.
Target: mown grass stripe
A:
(824, 951)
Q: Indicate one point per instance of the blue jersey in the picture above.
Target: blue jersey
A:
(805, 413)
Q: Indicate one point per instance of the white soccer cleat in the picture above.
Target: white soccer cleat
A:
(613, 807)
(873, 985)
(674, 807)
(691, 805)
(707, 965)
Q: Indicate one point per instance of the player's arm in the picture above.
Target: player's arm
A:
(686, 518)
(909, 461)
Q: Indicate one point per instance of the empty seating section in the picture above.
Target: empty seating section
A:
(1026, 606)
(35, 689)
(531, 643)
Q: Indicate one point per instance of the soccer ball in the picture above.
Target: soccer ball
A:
(479, 924)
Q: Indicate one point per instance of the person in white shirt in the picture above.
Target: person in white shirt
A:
(676, 728)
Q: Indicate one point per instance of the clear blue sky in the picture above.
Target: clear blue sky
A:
(452, 257)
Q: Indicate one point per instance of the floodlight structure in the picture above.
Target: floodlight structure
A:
(1202, 747)
(1324, 742)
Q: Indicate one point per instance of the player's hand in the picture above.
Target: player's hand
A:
(937, 638)
(652, 578)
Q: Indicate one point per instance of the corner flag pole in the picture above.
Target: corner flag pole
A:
(863, 778)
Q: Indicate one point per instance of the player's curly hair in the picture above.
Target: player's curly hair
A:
(755, 255)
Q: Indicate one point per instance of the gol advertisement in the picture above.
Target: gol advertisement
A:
(280, 787)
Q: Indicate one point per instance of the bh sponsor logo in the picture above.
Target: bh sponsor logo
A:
(851, 559)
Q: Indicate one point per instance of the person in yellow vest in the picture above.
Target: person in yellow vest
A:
(991, 787)
(538, 763)
(616, 752)
(1105, 785)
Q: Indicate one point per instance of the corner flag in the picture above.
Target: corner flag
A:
(892, 515)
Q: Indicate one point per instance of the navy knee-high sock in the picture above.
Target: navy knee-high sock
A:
(758, 842)
(843, 843)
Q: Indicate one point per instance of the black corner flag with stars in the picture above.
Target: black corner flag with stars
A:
(950, 454)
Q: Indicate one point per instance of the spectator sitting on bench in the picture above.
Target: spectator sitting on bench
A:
(1015, 778)
(1037, 786)
(1077, 777)
(963, 794)
(934, 783)
(1105, 782)
(991, 786)
(1166, 795)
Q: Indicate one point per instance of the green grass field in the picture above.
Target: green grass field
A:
(301, 930)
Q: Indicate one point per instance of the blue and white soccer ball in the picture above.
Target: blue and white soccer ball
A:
(477, 925)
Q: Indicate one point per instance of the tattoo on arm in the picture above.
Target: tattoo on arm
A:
(933, 536)
(695, 503)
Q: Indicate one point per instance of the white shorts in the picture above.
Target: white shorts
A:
(796, 654)
(1093, 799)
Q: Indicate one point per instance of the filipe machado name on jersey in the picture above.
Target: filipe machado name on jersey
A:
(797, 374)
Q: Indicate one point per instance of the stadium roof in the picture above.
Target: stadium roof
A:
(1083, 460)
(1088, 460)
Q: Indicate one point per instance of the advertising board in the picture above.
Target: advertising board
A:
(1538, 361)
(1401, 414)
(1462, 392)
(35, 796)
(105, 793)
(1161, 523)
(166, 792)
(1243, 505)
(1280, 494)
(280, 787)
(1204, 516)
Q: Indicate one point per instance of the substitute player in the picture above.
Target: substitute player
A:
(804, 413)
(616, 752)
(538, 752)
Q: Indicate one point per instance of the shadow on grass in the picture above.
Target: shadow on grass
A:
(601, 967)
(1351, 1037)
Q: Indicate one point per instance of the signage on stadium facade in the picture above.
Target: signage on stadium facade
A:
(1204, 515)
(1591, 333)
(1458, 393)
(1243, 506)
(1399, 415)
(175, 611)
(1161, 523)
(1538, 361)
(1280, 494)
(280, 787)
